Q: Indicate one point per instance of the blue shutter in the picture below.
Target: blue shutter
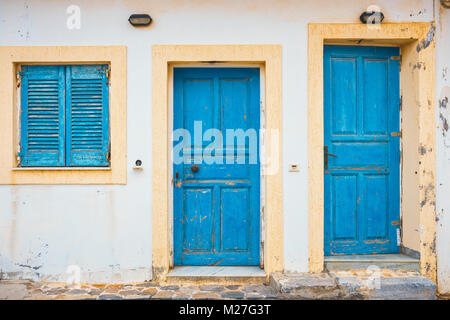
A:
(42, 116)
(87, 115)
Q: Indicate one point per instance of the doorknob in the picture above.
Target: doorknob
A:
(194, 168)
(326, 154)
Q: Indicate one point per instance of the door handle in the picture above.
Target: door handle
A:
(326, 154)
(194, 168)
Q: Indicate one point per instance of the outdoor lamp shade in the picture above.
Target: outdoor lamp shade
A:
(139, 20)
(371, 17)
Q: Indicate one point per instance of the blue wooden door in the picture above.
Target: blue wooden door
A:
(361, 118)
(216, 203)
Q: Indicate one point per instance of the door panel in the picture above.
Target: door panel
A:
(216, 208)
(375, 110)
(198, 224)
(361, 110)
(344, 96)
(234, 219)
(345, 218)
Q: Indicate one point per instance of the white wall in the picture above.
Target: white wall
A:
(108, 228)
(443, 147)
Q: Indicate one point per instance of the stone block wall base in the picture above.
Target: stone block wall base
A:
(327, 286)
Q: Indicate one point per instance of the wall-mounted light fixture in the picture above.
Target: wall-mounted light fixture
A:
(140, 20)
(445, 3)
(371, 17)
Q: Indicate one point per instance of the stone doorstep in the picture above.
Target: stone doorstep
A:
(330, 286)
(215, 275)
(305, 286)
(392, 262)
(218, 281)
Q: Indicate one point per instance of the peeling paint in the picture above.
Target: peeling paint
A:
(444, 123)
(443, 115)
(424, 43)
(443, 103)
(419, 65)
(423, 150)
(30, 267)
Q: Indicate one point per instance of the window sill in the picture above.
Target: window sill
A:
(63, 169)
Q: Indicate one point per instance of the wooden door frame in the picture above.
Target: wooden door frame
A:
(258, 105)
(416, 41)
(162, 57)
(262, 73)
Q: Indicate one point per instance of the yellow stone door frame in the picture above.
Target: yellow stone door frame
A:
(163, 56)
(416, 41)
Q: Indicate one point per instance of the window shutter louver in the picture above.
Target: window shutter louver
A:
(42, 116)
(87, 114)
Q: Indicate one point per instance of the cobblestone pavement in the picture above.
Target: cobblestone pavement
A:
(29, 290)
(332, 285)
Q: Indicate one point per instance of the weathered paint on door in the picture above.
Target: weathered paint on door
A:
(361, 116)
(216, 205)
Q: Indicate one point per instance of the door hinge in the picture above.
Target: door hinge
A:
(18, 79)
(18, 158)
(108, 156)
(396, 134)
(108, 75)
(399, 59)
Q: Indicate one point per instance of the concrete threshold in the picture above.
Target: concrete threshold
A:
(383, 261)
(216, 274)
